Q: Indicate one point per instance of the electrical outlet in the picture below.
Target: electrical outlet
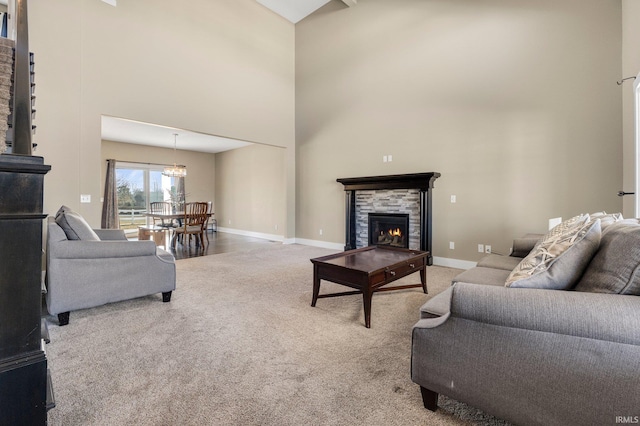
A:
(453, 198)
(321, 232)
(85, 198)
(452, 245)
(276, 227)
(487, 249)
(385, 158)
(390, 157)
(480, 248)
(229, 221)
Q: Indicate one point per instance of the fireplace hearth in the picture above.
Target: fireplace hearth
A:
(389, 229)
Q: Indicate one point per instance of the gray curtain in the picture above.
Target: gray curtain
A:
(110, 205)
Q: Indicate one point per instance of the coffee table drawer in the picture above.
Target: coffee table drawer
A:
(404, 269)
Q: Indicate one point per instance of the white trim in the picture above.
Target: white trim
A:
(322, 244)
(264, 236)
(438, 261)
(453, 263)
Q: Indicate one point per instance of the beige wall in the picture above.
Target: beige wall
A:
(251, 176)
(212, 66)
(630, 67)
(514, 102)
(200, 179)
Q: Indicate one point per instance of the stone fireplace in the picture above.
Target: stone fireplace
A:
(408, 194)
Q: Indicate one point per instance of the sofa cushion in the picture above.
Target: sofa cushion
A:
(559, 259)
(74, 225)
(615, 268)
(498, 261)
(482, 275)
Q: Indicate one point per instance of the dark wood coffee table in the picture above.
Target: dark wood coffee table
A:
(367, 270)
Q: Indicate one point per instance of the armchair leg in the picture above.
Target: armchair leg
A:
(63, 318)
(166, 297)
(429, 399)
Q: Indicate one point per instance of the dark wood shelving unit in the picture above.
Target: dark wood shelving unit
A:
(26, 392)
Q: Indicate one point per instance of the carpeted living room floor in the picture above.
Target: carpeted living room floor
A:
(239, 344)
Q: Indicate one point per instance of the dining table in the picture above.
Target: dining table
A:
(178, 215)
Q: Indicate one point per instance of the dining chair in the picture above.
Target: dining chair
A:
(210, 220)
(195, 217)
(163, 208)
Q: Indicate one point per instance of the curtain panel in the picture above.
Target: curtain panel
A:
(110, 205)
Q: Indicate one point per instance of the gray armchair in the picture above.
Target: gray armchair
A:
(101, 266)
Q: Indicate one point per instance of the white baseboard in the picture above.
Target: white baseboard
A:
(438, 261)
(271, 237)
(322, 244)
(453, 263)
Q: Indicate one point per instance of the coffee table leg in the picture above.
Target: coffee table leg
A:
(316, 286)
(366, 298)
(423, 279)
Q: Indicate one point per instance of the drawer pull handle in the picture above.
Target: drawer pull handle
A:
(412, 265)
(393, 273)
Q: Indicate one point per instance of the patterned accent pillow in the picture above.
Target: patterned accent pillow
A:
(606, 219)
(615, 268)
(560, 257)
(74, 225)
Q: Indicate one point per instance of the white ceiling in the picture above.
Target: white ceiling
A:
(139, 133)
(293, 10)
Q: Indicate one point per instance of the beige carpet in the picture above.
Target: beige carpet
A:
(239, 344)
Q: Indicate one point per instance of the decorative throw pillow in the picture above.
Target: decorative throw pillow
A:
(606, 219)
(558, 260)
(615, 268)
(74, 225)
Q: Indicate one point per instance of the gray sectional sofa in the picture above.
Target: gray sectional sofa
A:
(548, 338)
(88, 268)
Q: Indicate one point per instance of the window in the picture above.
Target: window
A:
(137, 186)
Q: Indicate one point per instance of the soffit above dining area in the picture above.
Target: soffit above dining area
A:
(140, 133)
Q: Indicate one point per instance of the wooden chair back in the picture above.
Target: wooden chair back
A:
(160, 207)
(195, 214)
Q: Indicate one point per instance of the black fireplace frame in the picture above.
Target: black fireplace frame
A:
(421, 181)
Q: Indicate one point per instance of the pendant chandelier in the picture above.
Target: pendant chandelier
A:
(176, 171)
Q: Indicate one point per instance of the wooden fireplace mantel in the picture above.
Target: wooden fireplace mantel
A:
(421, 181)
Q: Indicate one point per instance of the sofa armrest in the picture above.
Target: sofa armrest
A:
(101, 249)
(607, 317)
(523, 246)
(110, 234)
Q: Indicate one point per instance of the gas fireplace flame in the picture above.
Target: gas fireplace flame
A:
(393, 232)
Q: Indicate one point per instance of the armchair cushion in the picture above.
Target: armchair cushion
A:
(74, 225)
(558, 260)
(615, 268)
(110, 234)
